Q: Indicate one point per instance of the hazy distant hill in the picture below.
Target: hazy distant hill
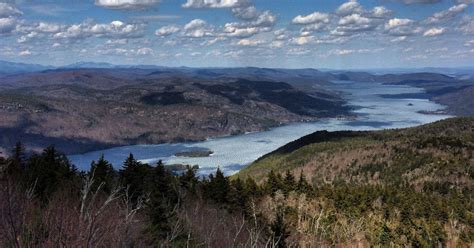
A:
(14, 68)
(98, 105)
(96, 108)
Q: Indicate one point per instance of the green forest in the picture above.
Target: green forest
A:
(395, 188)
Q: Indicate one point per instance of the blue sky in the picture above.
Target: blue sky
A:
(228, 33)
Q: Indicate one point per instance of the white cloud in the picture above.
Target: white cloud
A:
(302, 40)
(126, 4)
(277, 44)
(350, 7)
(197, 29)
(418, 1)
(115, 29)
(193, 24)
(7, 25)
(215, 3)
(355, 23)
(298, 51)
(246, 13)
(381, 12)
(444, 16)
(144, 51)
(236, 30)
(265, 19)
(396, 22)
(167, 30)
(316, 17)
(47, 27)
(402, 27)
(469, 43)
(8, 10)
(466, 25)
(341, 51)
(434, 32)
(399, 39)
(25, 53)
(248, 42)
(117, 42)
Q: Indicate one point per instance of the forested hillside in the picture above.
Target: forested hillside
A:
(409, 187)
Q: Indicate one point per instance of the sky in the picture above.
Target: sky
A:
(333, 34)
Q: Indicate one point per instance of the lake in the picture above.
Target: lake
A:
(377, 106)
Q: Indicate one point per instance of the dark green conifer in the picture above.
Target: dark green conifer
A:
(104, 174)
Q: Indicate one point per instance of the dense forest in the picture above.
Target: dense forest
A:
(410, 198)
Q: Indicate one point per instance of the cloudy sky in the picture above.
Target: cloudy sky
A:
(265, 33)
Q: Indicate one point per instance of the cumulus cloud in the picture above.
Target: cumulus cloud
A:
(434, 32)
(302, 40)
(246, 13)
(25, 53)
(238, 30)
(408, 2)
(401, 27)
(7, 25)
(197, 29)
(144, 51)
(115, 29)
(350, 7)
(248, 42)
(466, 25)
(126, 4)
(444, 16)
(8, 10)
(215, 3)
(355, 23)
(396, 22)
(167, 30)
(193, 24)
(380, 12)
(315, 17)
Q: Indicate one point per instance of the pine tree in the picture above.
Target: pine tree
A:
(274, 182)
(188, 179)
(252, 188)
(135, 176)
(289, 182)
(219, 186)
(238, 196)
(303, 185)
(163, 199)
(50, 171)
(104, 173)
(279, 229)
(17, 164)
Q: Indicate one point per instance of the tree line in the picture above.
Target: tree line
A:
(45, 200)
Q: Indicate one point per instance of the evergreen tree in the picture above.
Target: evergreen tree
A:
(238, 196)
(252, 188)
(18, 159)
(50, 171)
(303, 186)
(189, 180)
(135, 177)
(163, 199)
(289, 182)
(104, 173)
(219, 187)
(279, 229)
(274, 182)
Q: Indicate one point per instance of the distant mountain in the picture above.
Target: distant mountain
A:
(85, 65)
(7, 67)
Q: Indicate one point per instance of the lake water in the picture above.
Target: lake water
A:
(234, 152)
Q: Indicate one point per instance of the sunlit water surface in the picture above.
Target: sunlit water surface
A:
(234, 152)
